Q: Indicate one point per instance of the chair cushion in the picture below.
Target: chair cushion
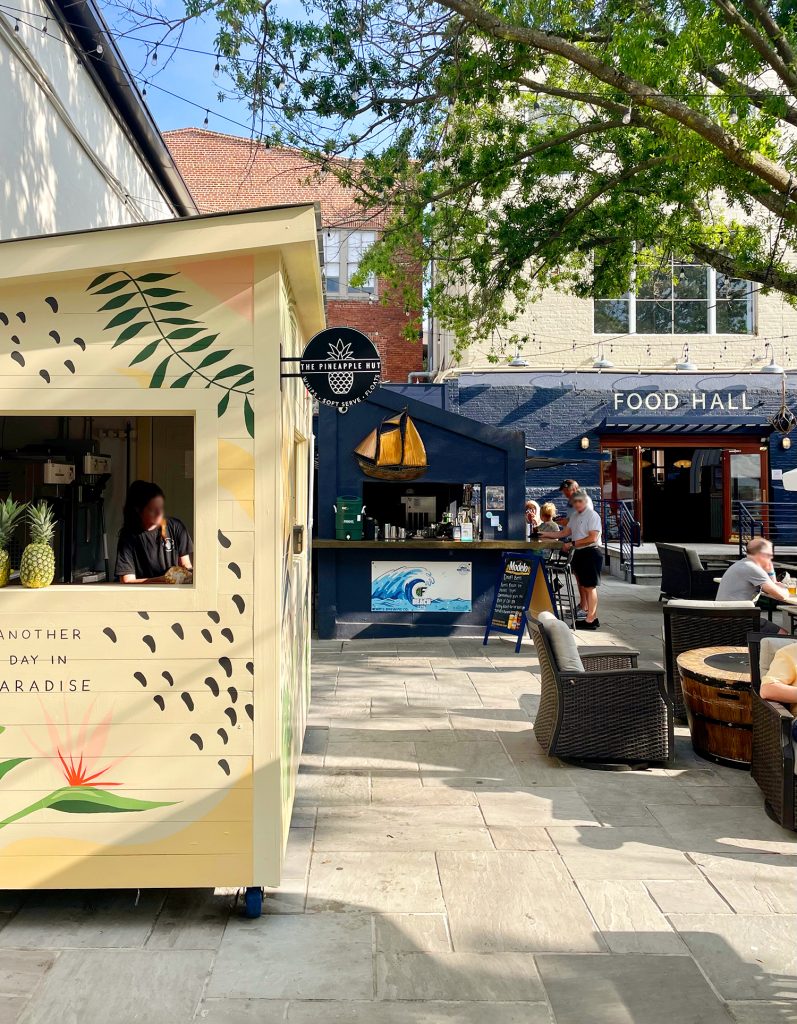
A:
(563, 643)
(683, 603)
(693, 559)
(769, 645)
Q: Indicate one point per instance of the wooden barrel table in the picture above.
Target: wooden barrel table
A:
(716, 688)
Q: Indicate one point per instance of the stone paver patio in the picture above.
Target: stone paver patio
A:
(439, 862)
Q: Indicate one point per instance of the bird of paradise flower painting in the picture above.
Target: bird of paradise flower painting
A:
(78, 756)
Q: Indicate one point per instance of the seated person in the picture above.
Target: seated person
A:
(532, 517)
(151, 546)
(780, 681)
(751, 576)
(548, 522)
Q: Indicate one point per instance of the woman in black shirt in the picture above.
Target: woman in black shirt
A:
(149, 543)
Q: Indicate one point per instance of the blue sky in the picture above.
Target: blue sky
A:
(188, 75)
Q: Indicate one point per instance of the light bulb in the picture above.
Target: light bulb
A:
(154, 57)
(44, 26)
(217, 68)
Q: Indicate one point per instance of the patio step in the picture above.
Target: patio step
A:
(647, 569)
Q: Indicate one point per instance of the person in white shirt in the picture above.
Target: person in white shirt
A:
(583, 535)
(568, 488)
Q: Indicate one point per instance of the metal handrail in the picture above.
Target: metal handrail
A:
(629, 529)
(775, 520)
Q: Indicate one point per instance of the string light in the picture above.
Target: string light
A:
(207, 115)
(217, 67)
(44, 25)
(16, 24)
(154, 56)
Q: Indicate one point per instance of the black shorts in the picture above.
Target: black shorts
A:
(587, 564)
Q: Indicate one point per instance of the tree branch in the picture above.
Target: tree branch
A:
(759, 44)
(758, 97)
(771, 277)
(772, 29)
(756, 163)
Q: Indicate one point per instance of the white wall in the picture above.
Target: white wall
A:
(65, 162)
(558, 321)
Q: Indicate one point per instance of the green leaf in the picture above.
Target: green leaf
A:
(224, 403)
(176, 320)
(246, 379)
(184, 332)
(214, 357)
(172, 306)
(130, 332)
(117, 301)
(6, 766)
(182, 381)
(113, 287)
(124, 317)
(249, 417)
(232, 371)
(147, 278)
(201, 344)
(146, 352)
(101, 278)
(160, 373)
(161, 293)
(88, 800)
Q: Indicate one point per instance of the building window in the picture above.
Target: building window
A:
(343, 253)
(684, 298)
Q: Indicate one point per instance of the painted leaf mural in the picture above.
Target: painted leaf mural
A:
(182, 345)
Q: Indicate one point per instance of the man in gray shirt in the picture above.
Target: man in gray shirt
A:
(747, 578)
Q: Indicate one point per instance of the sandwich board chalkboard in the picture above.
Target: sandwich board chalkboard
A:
(513, 594)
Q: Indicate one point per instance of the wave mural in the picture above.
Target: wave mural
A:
(438, 587)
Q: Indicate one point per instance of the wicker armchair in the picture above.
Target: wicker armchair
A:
(773, 748)
(612, 713)
(683, 574)
(689, 625)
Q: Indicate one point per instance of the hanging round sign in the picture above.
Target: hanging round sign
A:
(340, 366)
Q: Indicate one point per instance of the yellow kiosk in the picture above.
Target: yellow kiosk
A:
(150, 733)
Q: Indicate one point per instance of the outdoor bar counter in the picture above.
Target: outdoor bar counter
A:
(419, 585)
(348, 566)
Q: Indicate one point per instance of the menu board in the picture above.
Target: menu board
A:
(511, 599)
(513, 591)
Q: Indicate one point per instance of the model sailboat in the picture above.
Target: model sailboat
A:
(394, 451)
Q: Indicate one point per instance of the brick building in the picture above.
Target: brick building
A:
(226, 172)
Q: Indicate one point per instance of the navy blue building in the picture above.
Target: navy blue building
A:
(685, 448)
(432, 586)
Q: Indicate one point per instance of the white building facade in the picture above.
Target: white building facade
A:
(80, 147)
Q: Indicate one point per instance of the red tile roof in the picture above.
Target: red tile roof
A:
(227, 172)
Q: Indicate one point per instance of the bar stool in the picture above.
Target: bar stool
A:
(560, 571)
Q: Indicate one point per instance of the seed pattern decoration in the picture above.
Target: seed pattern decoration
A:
(61, 349)
(160, 682)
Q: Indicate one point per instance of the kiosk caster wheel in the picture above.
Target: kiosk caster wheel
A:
(253, 901)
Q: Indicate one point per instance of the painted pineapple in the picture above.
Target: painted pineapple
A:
(10, 513)
(341, 381)
(37, 567)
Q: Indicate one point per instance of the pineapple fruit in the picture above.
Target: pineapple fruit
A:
(340, 381)
(10, 513)
(37, 567)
